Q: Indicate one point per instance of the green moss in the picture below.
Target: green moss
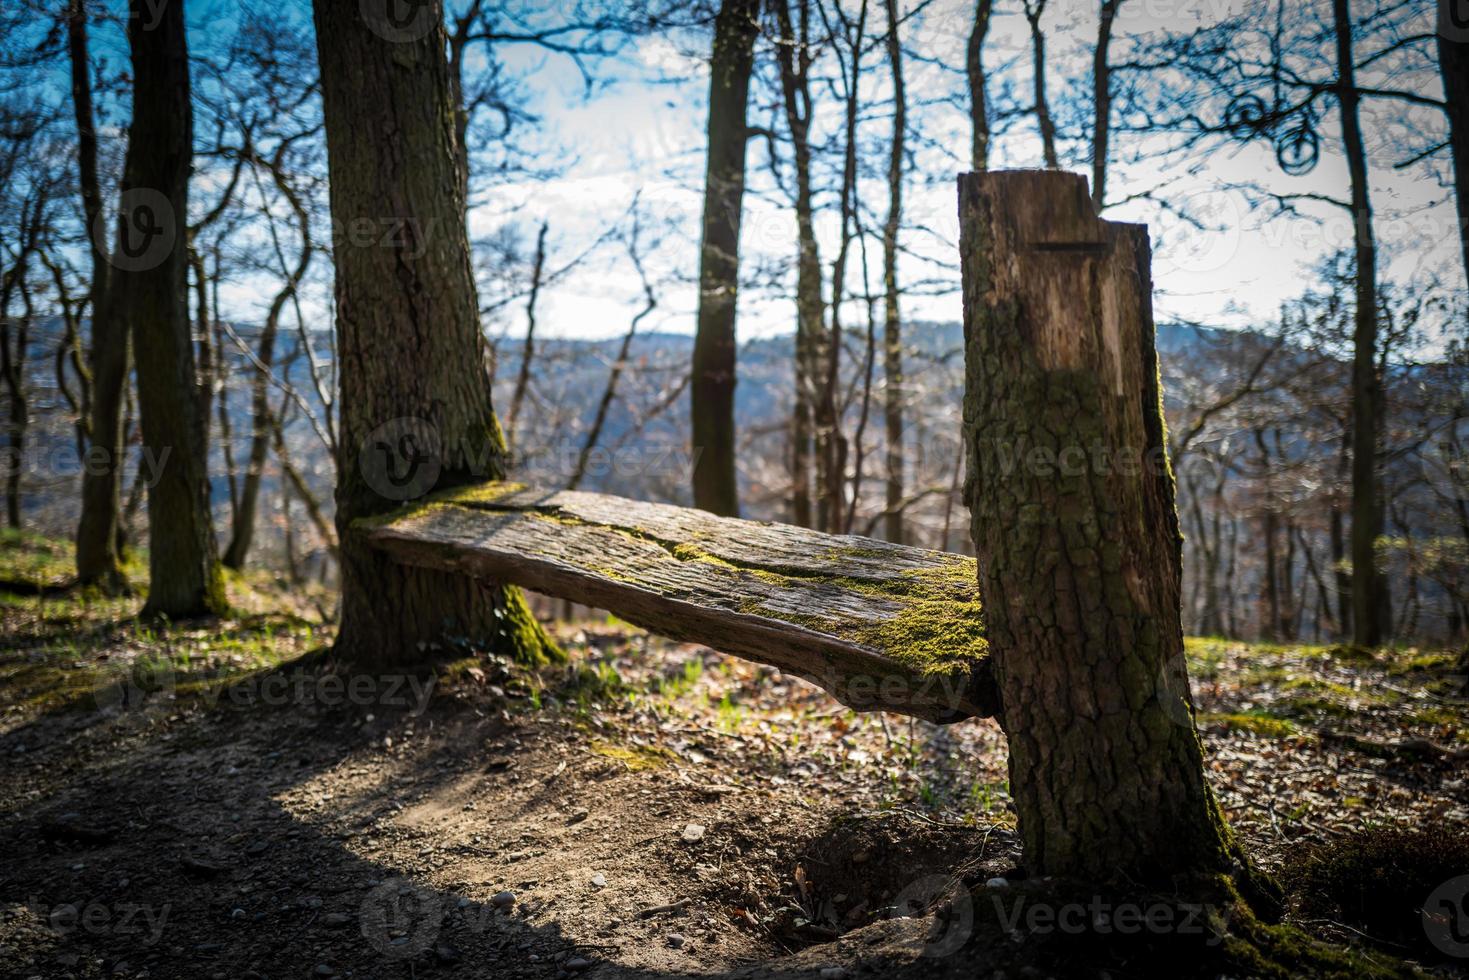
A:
(638, 758)
(1254, 722)
(520, 636)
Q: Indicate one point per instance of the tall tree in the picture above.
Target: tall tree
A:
(712, 386)
(979, 119)
(793, 53)
(1367, 598)
(1453, 61)
(98, 561)
(415, 401)
(1034, 11)
(1102, 88)
(183, 564)
(892, 314)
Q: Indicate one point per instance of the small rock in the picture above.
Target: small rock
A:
(577, 964)
(447, 953)
(578, 815)
(599, 881)
(997, 883)
(693, 833)
(503, 900)
(677, 940)
(322, 970)
(337, 919)
(832, 973)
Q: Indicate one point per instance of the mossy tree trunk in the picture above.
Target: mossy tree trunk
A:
(1074, 524)
(712, 390)
(97, 538)
(415, 392)
(183, 565)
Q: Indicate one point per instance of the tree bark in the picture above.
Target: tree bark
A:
(415, 400)
(184, 575)
(1453, 61)
(1366, 384)
(979, 119)
(712, 388)
(1074, 523)
(892, 334)
(98, 562)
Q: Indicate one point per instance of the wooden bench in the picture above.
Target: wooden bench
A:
(877, 625)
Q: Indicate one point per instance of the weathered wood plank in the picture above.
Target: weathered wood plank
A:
(879, 626)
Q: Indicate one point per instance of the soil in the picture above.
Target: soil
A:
(649, 810)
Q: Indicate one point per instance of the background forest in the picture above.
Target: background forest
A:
(1215, 124)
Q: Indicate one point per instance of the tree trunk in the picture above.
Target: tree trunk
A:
(1366, 385)
(1453, 62)
(184, 576)
(98, 562)
(1102, 86)
(1079, 548)
(528, 349)
(892, 333)
(1033, 12)
(793, 55)
(979, 119)
(415, 395)
(712, 388)
(242, 531)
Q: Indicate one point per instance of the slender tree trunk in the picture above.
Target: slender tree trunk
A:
(712, 389)
(242, 531)
(1269, 619)
(1453, 62)
(415, 401)
(1079, 563)
(892, 333)
(1366, 385)
(184, 576)
(1034, 9)
(528, 349)
(614, 376)
(979, 120)
(98, 561)
(12, 368)
(1102, 87)
(831, 440)
(794, 58)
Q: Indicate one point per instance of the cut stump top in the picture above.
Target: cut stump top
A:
(879, 626)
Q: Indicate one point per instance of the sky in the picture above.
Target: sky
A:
(641, 135)
(637, 135)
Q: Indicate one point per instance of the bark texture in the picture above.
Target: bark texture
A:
(98, 562)
(1073, 520)
(881, 627)
(184, 576)
(415, 392)
(712, 387)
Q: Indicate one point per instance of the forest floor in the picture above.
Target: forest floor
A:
(178, 802)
